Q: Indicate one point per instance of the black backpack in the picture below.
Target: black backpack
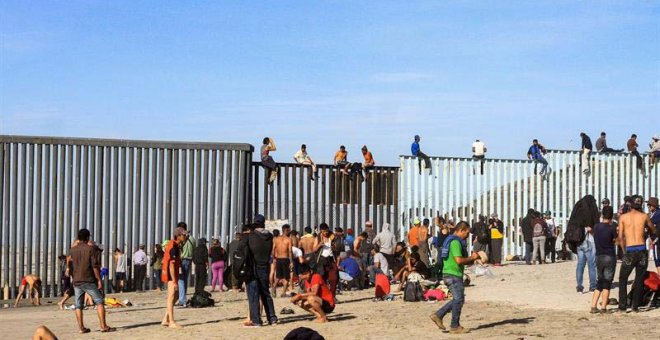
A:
(413, 292)
(242, 261)
(201, 300)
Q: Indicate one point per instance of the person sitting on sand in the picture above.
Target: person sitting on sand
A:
(349, 269)
(34, 283)
(43, 333)
(318, 300)
(380, 265)
(415, 265)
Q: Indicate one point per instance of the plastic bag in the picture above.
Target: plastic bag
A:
(480, 270)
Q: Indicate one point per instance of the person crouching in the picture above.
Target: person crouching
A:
(318, 300)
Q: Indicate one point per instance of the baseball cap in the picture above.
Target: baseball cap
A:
(605, 201)
(493, 215)
(349, 231)
(259, 220)
(548, 213)
(416, 221)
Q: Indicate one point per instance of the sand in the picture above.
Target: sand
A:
(521, 301)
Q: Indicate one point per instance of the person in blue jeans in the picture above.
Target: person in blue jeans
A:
(535, 153)
(187, 250)
(455, 257)
(586, 255)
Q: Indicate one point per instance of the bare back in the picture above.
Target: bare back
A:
(282, 247)
(307, 244)
(631, 228)
(294, 240)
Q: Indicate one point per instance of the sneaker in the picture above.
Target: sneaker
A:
(438, 321)
(594, 310)
(249, 324)
(459, 330)
(579, 290)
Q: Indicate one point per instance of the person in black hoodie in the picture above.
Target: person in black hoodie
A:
(527, 235)
(481, 235)
(260, 243)
(201, 261)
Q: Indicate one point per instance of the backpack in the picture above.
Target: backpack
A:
(413, 292)
(242, 262)
(201, 300)
(382, 285)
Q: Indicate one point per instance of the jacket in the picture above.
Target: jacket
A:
(260, 242)
(386, 240)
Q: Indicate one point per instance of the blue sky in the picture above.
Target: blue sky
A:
(334, 72)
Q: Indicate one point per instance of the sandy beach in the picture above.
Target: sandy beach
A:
(520, 302)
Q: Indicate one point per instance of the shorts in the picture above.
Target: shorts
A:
(89, 288)
(23, 281)
(327, 308)
(282, 270)
(120, 276)
(605, 265)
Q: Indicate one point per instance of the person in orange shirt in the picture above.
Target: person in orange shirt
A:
(341, 161)
(319, 299)
(170, 274)
(413, 233)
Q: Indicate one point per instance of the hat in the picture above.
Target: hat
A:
(493, 215)
(605, 201)
(655, 137)
(201, 241)
(369, 223)
(180, 231)
(349, 231)
(339, 230)
(416, 221)
(259, 220)
(653, 201)
(548, 213)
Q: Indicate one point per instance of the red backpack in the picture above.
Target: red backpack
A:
(382, 285)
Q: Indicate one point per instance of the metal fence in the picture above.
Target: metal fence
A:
(457, 188)
(126, 192)
(333, 197)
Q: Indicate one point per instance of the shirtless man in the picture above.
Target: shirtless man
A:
(34, 284)
(307, 245)
(283, 257)
(422, 243)
(631, 239)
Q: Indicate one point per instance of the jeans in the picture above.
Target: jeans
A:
(639, 160)
(158, 284)
(542, 161)
(639, 262)
(455, 285)
(90, 288)
(529, 247)
(586, 255)
(585, 158)
(183, 280)
(606, 265)
(550, 246)
(538, 249)
(257, 289)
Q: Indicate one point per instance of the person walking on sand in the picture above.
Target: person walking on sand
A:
(455, 257)
(283, 257)
(631, 238)
(417, 152)
(318, 300)
(87, 280)
(604, 239)
(260, 244)
(170, 274)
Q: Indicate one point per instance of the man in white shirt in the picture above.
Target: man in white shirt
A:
(380, 264)
(479, 153)
(140, 261)
(301, 157)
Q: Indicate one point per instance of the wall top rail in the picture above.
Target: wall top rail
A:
(487, 160)
(126, 143)
(326, 166)
(624, 153)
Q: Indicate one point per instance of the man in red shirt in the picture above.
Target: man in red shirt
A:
(319, 299)
(170, 274)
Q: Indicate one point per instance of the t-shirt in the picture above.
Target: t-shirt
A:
(323, 291)
(297, 252)
(539, 227)
(450, 266)
(535, 151)
(351, 267)
(172, 255)
(216, 253)
(551, 227)
(479, 148)
(632, 145)
(586, 143)
(380, 258)
(413, 236)
(369, 158)
(84, 260)
(604, 235)
(301, 157)
(188, 248)
(340, 156)
(601, 143)
(265, 149)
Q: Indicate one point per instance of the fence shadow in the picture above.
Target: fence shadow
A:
(522, 321)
